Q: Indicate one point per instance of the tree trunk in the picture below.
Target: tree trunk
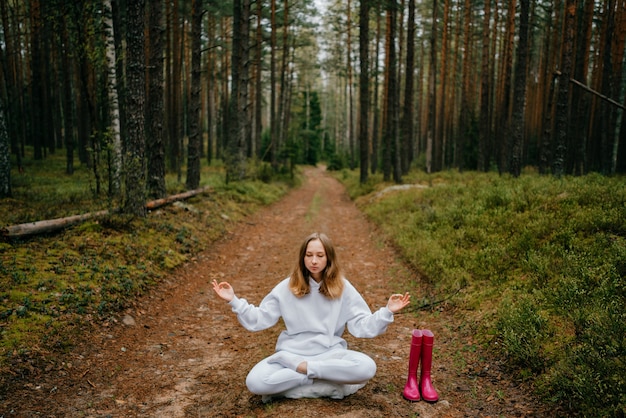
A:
(466, 111)
(38, 83)
(116, 168)
(235, 156)
(14, 109)
(119, 32)
(273, 122)
(390, 86)
(49, 118)
(5, 156)
(485, 94)
(504, 89)
(547, 135)
(211, 89)
(155, 147)
(562, 104)
(135, 162)
(440, 141)
(432, 97)
(376, 122)
(364, 88)
(350, 124)
(580, 99)
(408, 114)
(282, 102)
(258, 102)
(519, 98)
(195, 137)
(225, 92)
(173, 114)
(616, 56)
(620, 163)
(68, 110)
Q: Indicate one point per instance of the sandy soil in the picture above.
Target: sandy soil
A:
(181, 353)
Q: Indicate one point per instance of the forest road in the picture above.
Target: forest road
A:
(180, 352)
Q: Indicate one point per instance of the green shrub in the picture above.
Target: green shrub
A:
(523, 331)
(51, 285)
(542, 262)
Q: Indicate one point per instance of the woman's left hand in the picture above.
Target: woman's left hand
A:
(398, 301)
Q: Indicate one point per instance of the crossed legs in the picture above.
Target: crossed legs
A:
(283, 371)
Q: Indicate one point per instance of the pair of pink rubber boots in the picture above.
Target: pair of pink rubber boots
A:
(421, 349)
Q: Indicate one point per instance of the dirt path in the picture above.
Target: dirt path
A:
(186, 355)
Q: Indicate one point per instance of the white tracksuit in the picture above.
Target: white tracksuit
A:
(314, 328)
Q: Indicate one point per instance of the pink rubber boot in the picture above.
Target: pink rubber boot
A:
(429, 394)
(411, 390)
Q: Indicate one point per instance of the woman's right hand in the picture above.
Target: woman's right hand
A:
(224, 290)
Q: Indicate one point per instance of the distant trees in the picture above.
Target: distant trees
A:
(499, 85)
(437, 84)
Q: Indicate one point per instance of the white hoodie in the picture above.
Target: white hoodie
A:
(314, 323)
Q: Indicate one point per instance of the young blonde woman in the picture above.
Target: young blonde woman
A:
(316, 303)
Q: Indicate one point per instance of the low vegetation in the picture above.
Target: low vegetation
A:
(53, 286)
(536, 265)
(539, 264)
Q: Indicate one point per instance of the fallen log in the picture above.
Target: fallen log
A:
(173, 198)
(51, 225)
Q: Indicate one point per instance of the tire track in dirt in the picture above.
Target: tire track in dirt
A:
(187, 356)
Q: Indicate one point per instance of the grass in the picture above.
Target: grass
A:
(53, 286)
(540, 262)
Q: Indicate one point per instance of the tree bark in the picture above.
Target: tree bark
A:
(504, 89)
(519, 98)
(364, 89)
(374, 155)
(432, 97)
(581, 101)
(116, 163)
(5, 156)
(195, 137)
(390, 87)
(68, 110)
(485, 94)
(258, 98)
(547, 134)
(38, 83)
(408, 114)
(282, 101)
(173, 111)
(235, 156)
(135, 162)
(466, 113)
(441, 140)
(273, 119)
(350, 124)
(155, 147)
(562, 104)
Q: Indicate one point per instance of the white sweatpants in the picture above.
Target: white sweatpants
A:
(338, 366)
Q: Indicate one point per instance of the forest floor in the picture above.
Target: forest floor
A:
(180, 352)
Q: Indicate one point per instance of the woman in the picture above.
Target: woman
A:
(316, 303)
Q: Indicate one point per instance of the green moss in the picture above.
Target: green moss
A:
(539, 261)
(52, 285)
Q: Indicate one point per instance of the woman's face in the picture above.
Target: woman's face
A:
(315, 259)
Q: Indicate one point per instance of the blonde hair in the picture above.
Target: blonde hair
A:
(331, 284)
